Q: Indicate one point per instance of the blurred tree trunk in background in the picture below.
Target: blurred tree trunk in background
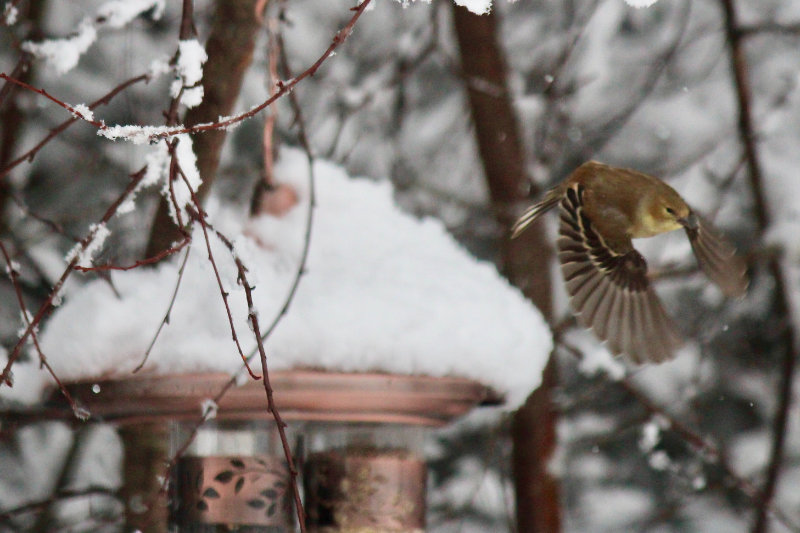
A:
(146, 451)
(525, 260)
(12, 116)
(755, 172)
(230, 52)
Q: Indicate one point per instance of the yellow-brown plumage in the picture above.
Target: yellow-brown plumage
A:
(601, 209)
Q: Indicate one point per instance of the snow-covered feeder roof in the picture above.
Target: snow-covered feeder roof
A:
(383, 292)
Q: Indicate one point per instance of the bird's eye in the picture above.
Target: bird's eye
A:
(670, 211)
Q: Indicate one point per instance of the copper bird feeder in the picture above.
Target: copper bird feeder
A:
(363, 471)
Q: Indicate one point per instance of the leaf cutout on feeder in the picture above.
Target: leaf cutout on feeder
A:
(272, 509)
(238, 463)
(210, 492)
(239, 485)
(256, 503)
(269, 494)
(224, 477)
(203, 506)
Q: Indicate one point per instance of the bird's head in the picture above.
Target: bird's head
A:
(664, 210)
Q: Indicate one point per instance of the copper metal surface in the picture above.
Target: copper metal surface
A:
(365, 489)
(233, 490)
(299, 395)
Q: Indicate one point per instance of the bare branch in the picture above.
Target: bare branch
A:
(78, 116)
(283, 87)
(141, 262)
(47, 306)
(11, 269)
(30, 154)
(705, 448)
(165, 320)
(788, 340)
(200, 216)
(792, 29)
(59, 496)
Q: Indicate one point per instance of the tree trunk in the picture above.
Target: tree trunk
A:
(12, 116)
(145, 456)
(526, 260)
(230, 52)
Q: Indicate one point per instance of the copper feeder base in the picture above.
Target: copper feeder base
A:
(348, 490)
(299, 395)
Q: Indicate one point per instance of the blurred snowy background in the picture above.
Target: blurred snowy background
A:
(685, 446)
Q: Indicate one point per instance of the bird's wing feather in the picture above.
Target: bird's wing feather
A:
(717, 258)
(609, 291)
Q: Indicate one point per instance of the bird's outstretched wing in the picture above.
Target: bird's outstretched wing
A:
(609, 291)
(717, 258)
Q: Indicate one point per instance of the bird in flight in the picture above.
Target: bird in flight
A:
(601, 208)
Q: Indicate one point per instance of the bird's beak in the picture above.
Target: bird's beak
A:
(689, 222)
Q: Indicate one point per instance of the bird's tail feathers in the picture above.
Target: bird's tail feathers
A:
(551, 198)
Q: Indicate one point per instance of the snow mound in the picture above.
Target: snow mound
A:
(383, 291)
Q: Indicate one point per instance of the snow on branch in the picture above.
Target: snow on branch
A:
(136, 134)
(640, 3)
(62, 55)
(119, 13)
(141, 134)
(479, 7)
(191, 56)
(83, 252)
(183, 191)
(10, 14)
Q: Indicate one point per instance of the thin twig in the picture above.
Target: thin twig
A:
(401, 69)
(204, 225)
(30, 154)
(55, 227)
(187, 31)
(63, 494)
(23, 64)
(97, 123)
(792, 29)
(709, 453)
(283, 87)
(28, 321)
(48, 305)
(165, 320)
(304, 142)
(603, 134)
(252, 316)
(140, 262)
(707, 450)
(553, 91)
